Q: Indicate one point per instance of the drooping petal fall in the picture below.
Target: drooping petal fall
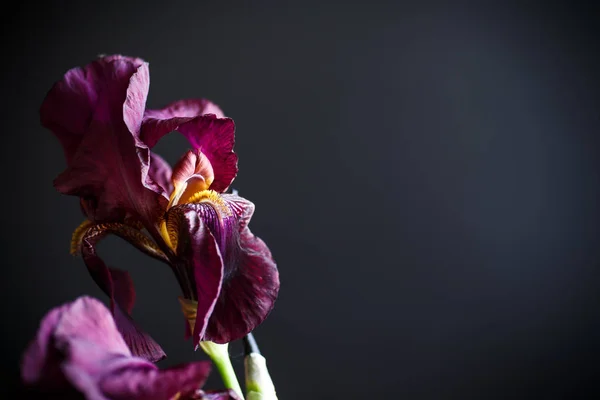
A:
(118, 285)
(250, 281)
(81, 347)
(201, 262)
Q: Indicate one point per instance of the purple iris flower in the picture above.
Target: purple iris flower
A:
(79, 353)
(181, 215)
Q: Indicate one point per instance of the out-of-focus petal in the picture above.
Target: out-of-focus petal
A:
(212, 395)
(158, 123)
(84, 318)
(91, 358)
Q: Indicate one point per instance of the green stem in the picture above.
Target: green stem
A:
(220, 357)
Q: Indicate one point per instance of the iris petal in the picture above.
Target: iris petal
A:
(80, 343)
(200, 257)
(96, 112)
(205, 127)
(157, 123)
(159, 174)
(117, 284)
(250, 282)
(70, 105)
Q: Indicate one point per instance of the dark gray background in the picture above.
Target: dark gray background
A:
(426, 175)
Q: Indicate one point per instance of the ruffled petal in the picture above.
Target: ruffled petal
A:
(158, 123)
(149, 383)
(117, 284)
(71, 104)
(250, 280)
(159, 176)
(96, 112)
(200, 259)
(251, 283)
(193, 173)
(91, 358)
(216, 138)
(203, 124)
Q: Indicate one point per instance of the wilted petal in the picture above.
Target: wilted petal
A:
(135, 99)
(158, 123)
(117, 284)
(92, 358)
(84, 318)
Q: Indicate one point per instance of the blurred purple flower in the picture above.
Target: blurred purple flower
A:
(79, 353)
(181, 216)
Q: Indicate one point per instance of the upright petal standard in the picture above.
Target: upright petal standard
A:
(182, 217)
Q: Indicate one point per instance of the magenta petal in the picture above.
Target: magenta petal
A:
(71, 104)
(205, 130)
(216, 138)
(96, 113)
(84, 318)
(199, 250)
(159, 174)
(148, 383)
(118, 286)
(91, 358)
(251, 283)
(158, 123)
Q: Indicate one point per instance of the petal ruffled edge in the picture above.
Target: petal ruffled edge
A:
(79, 342)
(250, 282)
(71, 103)
(250, 288)
(201, 261)
(206, 129)
(216, 138)
(158, 123)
